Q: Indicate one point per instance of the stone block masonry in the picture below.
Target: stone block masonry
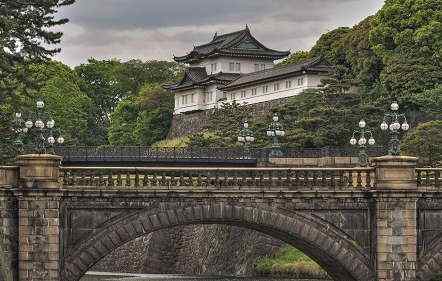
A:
(39, 232)
(385, 231)
(192, 123)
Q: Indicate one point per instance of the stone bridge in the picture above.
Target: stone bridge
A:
(360, 224)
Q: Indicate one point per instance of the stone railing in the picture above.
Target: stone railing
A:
(175, 178)
(8, 176)
(429, 177)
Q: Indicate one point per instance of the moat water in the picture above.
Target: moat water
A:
(149, 277)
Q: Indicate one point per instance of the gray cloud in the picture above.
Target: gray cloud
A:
(151, 29)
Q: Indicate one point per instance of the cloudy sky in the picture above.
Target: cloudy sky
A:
(157, 29)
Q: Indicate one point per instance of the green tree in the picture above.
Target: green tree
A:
(296, 57)
(425, 141)
(143, 119)
(407, 36)
(155, 118)
(66, 103)
(25, 37)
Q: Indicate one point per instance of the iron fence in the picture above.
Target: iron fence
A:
(103, 154)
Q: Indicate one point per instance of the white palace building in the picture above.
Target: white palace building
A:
(237, 67)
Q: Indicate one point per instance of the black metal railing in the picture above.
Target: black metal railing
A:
(121, 154)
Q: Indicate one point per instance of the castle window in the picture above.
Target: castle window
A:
(210, 96)
(276, 87)
(192, 97)
(214, 67)
(232, 66)
(233, 96)
(183, 100)
(301, 81)
(238, 66)
(254, 92)
(257, 67)
(263, 66)
(288, 84)
(243, 94)
(265, 89)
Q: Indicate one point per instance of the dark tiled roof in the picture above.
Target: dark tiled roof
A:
(197, 76)
(240, 43)
(313, 65)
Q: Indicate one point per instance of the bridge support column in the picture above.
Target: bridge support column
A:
(396, 219)
(39, 218)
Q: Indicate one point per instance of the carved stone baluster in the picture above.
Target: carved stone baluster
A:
(145, 179)
(332, 179)
(427, 177)
(110, 179)
(368, 179)
(359, 179)
(436, 178)
(164, 179)
(306, 175)
(137, 179)
(128, 179)
(199, 182)
(341, 179)
(350, 179)
(296, 175)
(119, 179)
(157, 179)
(324, 178)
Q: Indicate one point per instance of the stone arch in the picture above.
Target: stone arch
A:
(430, 262)
(330, 247)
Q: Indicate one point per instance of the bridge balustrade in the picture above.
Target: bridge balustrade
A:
(429, 177)
(265, 178)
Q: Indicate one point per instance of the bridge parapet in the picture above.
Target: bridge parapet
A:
(429, 177)
(8, 176)
(213, 178)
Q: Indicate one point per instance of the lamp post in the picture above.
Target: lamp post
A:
(39, 128)
(274, 131)
(392, 122)
(246, 137)
(362, 132)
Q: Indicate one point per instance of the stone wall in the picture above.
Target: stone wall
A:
(202, 249)
(8, 237)
(191, 123)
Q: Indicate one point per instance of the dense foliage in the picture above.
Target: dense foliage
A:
(26, 37)
(288, 261)
(395, 54)
(425, 141)
(143, 119)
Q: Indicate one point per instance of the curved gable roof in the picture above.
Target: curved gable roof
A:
(239, 43)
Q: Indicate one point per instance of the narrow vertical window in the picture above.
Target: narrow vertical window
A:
(257, 67)
(288, 84)
(238, 66)
(232, 66)
(263, 66)
(254, 91)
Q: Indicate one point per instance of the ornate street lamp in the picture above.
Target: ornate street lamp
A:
(246, 136)
(362, 142)
(392, 122)
(39, 128)
(274, 131)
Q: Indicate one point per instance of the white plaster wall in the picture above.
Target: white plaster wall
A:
(189, 106)
(223, 64)
(310, 81)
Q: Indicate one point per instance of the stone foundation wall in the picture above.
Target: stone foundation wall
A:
(191, 123)
(199, 250)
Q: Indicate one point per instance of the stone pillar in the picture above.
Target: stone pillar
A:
(39, 197)
(396, 218)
